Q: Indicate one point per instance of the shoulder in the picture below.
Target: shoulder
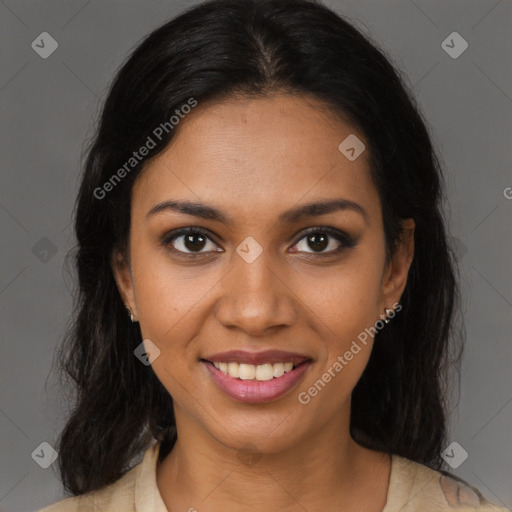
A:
(415, 487)
(117, 496)
(135, 490)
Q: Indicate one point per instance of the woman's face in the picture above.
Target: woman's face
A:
(251, 278)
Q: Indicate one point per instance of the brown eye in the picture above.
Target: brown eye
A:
(320, 239)
(194, 242)
(189, 241)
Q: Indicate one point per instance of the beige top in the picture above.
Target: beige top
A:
(413, 487)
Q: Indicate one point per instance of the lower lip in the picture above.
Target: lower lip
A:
(257, 391)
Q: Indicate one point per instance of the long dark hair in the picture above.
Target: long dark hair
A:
(252, 48)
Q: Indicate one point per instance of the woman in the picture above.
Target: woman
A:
(260, 238)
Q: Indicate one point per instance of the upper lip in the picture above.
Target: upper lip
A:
(256, 358)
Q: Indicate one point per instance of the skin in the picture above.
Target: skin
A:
(253, 160)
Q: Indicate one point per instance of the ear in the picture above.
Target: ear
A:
(397, 270)
(123, 277)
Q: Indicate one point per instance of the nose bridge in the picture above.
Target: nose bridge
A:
(255, 298)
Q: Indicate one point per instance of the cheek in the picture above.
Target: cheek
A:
(345, 308)
(166, 294)
(346, 299)
(167, 305)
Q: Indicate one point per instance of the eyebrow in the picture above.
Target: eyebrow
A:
(314, 209)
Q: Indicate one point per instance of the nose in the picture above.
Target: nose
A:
(256, 297)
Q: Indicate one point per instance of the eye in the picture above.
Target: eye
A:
(197, 240)
(190, 241)
(321, 238)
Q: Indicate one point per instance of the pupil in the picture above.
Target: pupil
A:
(319, 241)
(194, 245)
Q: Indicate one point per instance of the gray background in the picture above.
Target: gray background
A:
(47, 111)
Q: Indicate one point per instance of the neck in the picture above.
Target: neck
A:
(201, 472)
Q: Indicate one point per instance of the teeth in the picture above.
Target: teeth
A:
(264, 372)
(244, 371)
(278, 369)
(233, 369)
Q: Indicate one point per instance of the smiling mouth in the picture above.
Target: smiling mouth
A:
(260, 372)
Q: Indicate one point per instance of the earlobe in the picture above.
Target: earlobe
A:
(123, 278)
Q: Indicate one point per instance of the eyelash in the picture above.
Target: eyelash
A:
(346, 241)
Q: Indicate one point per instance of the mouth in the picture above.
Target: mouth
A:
(256, 383)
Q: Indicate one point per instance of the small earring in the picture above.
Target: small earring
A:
(388, 318)
(130, 314)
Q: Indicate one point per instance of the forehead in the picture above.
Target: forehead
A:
(257, 155)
